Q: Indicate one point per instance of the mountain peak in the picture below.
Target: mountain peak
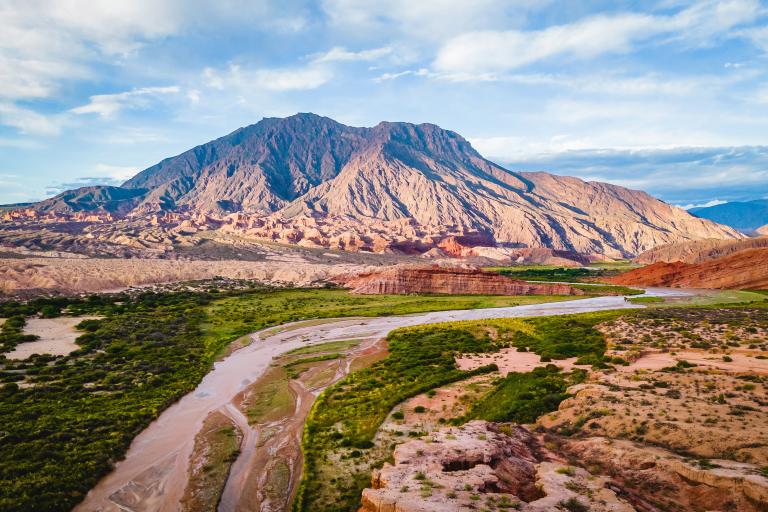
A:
(392, 184)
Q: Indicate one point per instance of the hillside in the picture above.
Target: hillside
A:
(699, 251)
(746, 269)
(395, 187)
(742, 215)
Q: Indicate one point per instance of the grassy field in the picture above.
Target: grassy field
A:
(590, 274)
(232, 317)
(707, 299)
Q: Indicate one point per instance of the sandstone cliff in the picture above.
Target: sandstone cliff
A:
(741, 270)
(699, 251)
(448, 280)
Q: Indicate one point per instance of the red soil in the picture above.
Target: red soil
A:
(742, 270)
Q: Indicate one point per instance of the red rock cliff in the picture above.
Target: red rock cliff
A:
(449, 280)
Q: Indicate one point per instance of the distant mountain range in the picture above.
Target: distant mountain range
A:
(745, 216)
(311, 181)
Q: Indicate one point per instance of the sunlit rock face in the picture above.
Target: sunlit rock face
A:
(395, 187)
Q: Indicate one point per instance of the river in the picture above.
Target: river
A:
(153, 474)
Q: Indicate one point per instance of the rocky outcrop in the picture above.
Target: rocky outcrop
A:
(448, 280)
(659, 478)
(310, 181)
(478, 464)
(699, 251)
(742, 270)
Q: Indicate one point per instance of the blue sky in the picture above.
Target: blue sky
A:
(668, 96)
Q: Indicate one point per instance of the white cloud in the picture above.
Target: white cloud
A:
(758, 36)
(339, 53)
(682, 175)
(28, 121)
(267, 79)
(488, 52)
(116, 172)
(713, 202)
(424, 20)
(107, 105)
(392, 76)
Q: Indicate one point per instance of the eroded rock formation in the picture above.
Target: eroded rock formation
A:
(481, 465)
(311, 181)
(402, 280)
(746, 269)
(699, 251)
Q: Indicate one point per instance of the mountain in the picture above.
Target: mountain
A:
(311, 181)
(699, 251)
(745, 216)
(741, 270)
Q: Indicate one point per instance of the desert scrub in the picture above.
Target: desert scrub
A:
(80, 412)
(74, 415)
(349, 413)
(521, 397)
(561, 337)
(12, 333)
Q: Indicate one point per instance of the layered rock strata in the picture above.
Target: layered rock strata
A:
(448, 280)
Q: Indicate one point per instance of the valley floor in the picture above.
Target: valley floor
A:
(327, 395)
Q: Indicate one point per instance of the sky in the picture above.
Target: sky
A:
(667, 96)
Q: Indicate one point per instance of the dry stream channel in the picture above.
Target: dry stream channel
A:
(154, 474)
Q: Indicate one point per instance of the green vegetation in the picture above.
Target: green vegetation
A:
(521, 397)
(315, 359)
(348, 414)
(590, 276)
(298, 366)
(11, 333)
(272, 398)
(331, 346)
(646, 300)
(563, 274)
(561, 337)
(420, 359)
(720, 298)
(66, 419)
(217, 446)
(81, 411)
(232, 317)
(551, 274)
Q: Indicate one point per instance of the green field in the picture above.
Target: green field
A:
(549, 273)
(230, 318)
(706, 299)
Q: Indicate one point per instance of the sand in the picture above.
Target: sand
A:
(510, 360)
(57, 337)
(741, 362)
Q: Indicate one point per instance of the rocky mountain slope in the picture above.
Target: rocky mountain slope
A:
(741, 270)
(311, 181)
(742, 215)
(699, 251)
